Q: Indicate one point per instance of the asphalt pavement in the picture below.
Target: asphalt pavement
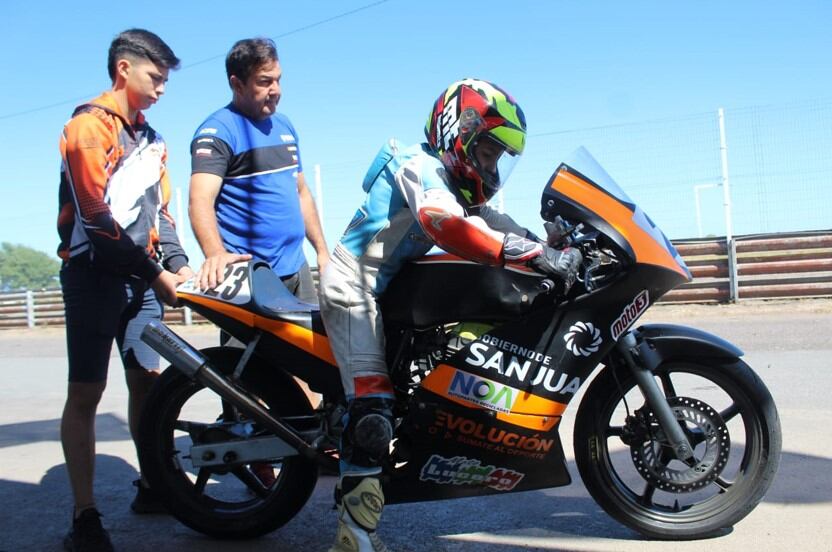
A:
(787, 342)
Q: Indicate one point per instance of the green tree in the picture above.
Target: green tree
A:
(24, 267)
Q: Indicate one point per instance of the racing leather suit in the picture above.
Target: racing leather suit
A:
(410, 207)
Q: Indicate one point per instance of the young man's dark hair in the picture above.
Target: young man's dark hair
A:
(140, 44)
(247, 55)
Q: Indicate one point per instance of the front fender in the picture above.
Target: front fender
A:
(664, 342)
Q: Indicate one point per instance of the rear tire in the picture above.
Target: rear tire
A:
(226, 504)
(730, 418)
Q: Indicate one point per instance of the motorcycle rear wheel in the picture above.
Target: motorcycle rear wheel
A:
(247, 501)
(731, 420)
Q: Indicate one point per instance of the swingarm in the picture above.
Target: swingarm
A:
(192, 363)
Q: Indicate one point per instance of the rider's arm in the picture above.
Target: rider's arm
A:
(504, 223)
(444, 220)
(522, 246)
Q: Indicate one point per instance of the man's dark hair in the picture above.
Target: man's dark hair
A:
(247, 55)
(140, 44)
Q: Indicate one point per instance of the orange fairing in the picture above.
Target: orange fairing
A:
(311, 342)
(529, 411)
(618, 216)
(302, 338)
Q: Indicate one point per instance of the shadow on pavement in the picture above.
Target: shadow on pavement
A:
(801, 479)
(36, 516)
(108, 427)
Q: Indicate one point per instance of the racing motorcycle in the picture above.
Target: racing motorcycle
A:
(675, 436)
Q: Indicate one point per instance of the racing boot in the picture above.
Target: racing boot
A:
(359, 511)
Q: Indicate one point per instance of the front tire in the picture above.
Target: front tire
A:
(731, 420)
(238, 503)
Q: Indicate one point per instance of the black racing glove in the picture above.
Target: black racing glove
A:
(517, 249)
(563, 263)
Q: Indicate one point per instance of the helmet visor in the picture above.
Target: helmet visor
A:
(493, 162)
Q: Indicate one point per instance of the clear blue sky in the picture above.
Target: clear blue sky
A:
(353, 81)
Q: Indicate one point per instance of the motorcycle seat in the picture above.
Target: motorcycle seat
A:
(271, 297)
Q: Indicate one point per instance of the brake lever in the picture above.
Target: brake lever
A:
(589, 271)
(560, 234)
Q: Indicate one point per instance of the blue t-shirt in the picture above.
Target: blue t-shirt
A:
(258, 207)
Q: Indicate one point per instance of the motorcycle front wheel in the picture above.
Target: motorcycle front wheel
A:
(230, 502)
(731, 421)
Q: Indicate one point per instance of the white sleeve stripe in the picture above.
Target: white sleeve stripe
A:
(409, 181)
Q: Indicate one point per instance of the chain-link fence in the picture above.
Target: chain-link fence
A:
(779, 165)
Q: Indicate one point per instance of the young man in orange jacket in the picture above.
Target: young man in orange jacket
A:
(121, 256)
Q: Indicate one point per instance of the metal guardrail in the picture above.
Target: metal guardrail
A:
(30, 308)
(767, 266)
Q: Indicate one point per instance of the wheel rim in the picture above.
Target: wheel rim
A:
(736, 452)
(196, 415)
(653, 459)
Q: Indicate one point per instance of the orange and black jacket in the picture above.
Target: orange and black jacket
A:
(114, 193)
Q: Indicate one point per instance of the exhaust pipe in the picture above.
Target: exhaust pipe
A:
(173, 348)
(193, 364)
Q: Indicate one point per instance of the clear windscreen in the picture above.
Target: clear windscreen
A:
(581, 161)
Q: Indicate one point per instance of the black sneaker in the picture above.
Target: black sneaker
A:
(87, 534)
(146, 501)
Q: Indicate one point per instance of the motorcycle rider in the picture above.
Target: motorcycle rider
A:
(429, 193)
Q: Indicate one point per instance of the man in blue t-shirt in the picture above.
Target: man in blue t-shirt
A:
(248, 195)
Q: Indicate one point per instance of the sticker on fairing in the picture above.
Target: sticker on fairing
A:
(461, 470)
(483, 392)
(583, 339)
(234, 288)
(630, 314)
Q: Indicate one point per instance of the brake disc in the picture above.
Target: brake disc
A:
(711, 445)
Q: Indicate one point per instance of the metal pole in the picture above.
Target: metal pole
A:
(696, 189)
(698, 213)
(319, 193)
(726, 189)
(726, 202)
(30, 308)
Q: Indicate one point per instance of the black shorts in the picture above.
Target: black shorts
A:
(302, 285)
(101, 306)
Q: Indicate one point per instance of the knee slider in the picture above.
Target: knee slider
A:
(372, 429)
(373, 433)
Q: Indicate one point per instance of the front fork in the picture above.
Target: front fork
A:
(642, 362)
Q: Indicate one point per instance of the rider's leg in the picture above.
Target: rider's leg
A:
(356, 336)
(364, 443)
